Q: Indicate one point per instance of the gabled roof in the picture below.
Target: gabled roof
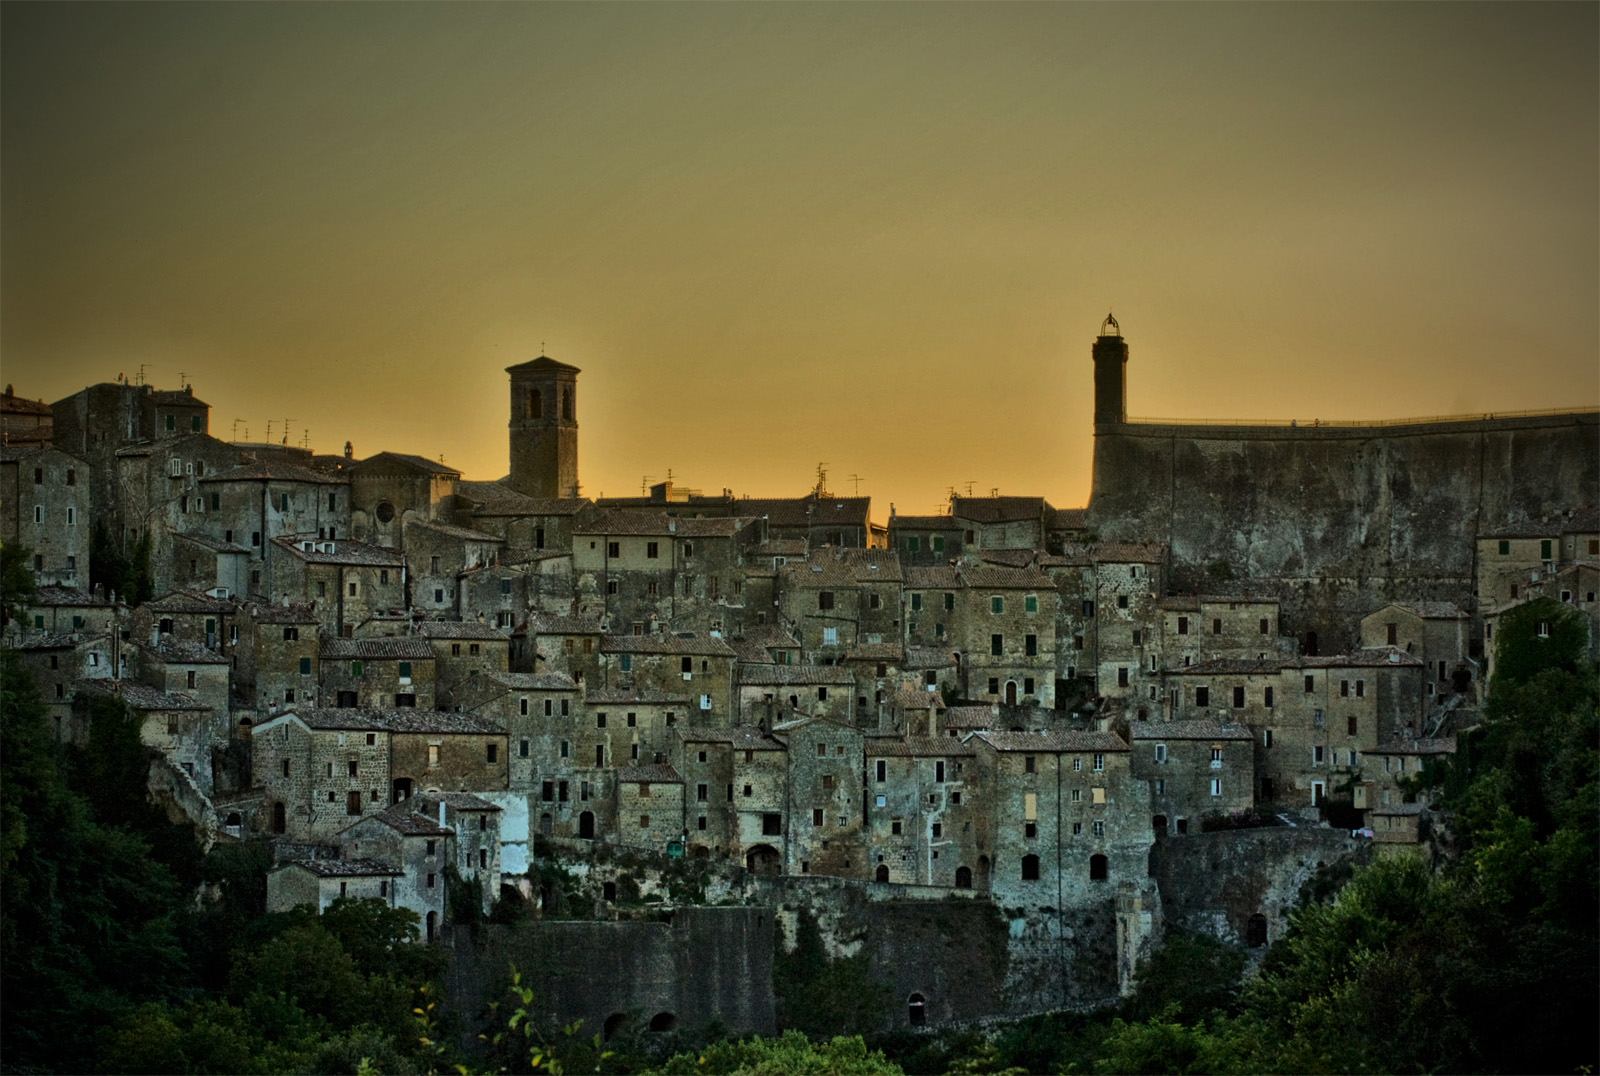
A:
(352, 719)
(343, 868)
(657, 774)
(460, 801)
(924, 523)
(645, 697)
(796, 676)
(283, 614)
(172, 651)
(499, 499)
(393, 648)
(999, 509)
(453, 531)
(273, 470)
(550, 624)
(544, 364)
(188, 601)
(387, 461)
(687, 642)
(916, 747)
(530, 682)
(141, 696)
(1426, 610)
(460, 629)
(55, 595)
(345, 551)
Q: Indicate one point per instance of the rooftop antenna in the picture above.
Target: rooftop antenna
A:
(142, 365)
(305, 440)
(236, 428)
(285, 430)
(644, 484)
(969, 487)
(857, 480)
(269, 430)
(183, 379)
(822, 478)
(995, 492)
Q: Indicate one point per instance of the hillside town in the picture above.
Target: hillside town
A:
(394, 673)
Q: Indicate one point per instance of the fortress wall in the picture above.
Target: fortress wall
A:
(1336, 521)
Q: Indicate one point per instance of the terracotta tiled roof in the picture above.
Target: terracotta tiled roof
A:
(681, 643)
(59, 642)
(913, 699)
(529, 682)
(969, 717)
(460, 629)
(405, 820)
(941, 577)
(1192, 602)
(657, 774)
(1526, 529)
(388, 648)
(401, 721)
(796, 675)
(1050, 742)
(141, 696)
(272, 470)
(999, 509)
(1365, 658)
(1432, 610)
(449, 530)
(548, 624)
(808, 511)
(889, 653)
(924, 523)
(917, 747)
(989, 577)
(461, 801)
(188, 601)
(499, 499)
(206, 541)
(1068, 519)
(1009, 558)
(283, 614)
(345, 551)
(387, 461)
(607, 522)
(53, 595)
(1232, 667)
(919, 658)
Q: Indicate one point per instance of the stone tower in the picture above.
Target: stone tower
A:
(544, 428)
(1110, 374)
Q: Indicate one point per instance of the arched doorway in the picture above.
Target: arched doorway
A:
(963, 877)
(700, 851)
(1255, 935)
(762, 859)
(1159, 824)
(613, 1025)
(883, 873)
(586, 825)
(1011, 692)
(917, 1010)
(664, 1021)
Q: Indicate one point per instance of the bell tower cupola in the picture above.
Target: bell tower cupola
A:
(1110, 374)
(544, 428)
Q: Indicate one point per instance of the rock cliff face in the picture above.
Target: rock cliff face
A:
(1335, 521)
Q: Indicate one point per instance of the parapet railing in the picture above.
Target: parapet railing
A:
(1423, 420)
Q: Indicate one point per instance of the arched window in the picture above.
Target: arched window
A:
(664, 1021)
(1097, 868)
(1030, 868)
(883, 873)
(917, 1010)
(614, 1024)
(963, 877)
(1256, 931)
(532, 404)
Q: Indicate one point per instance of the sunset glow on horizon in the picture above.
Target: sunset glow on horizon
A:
(879, 237)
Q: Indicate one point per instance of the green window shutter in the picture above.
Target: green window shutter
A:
(405, 668)
(1505, 548)
(938, 544)
(305, 666)
(911, 545)
(216, 501)
(38, 622)
(1544, 549)
(1030, 604)
(355, 668)
(997, 605)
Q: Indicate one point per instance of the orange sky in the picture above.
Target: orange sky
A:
(880, 236)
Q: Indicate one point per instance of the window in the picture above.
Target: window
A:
(1183, 625)
(1202, 696)
(1316, 755)
(1030, 645)
(1122, 676)
(305, 666)
(1238, 698)
(355, 668)
(1027, 764)
(1099, 827)
(1099, 763)
(1216, 625)
(911, 545)
(1361, 688)
(600, 755)
(1097, 868)
(352, 803)
(997, 604)
(405, 670)
(1266, 698)
(492, 752)
(38, 476)
(433, 755)
(830, 636)
(1030, 604)
(652, 550)
(938, 543)
(949, 603)
(1351, 722)
(916, 602)
(997, 645)
(600, 721)
(291, 634)
(1030, 868)
(1264, 626)
(771, 825)
(1161, 752)
(1122, 601)
(613, 549)
(1544, 549)
(1311, 684)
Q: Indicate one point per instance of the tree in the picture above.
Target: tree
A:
(792, 1054)
(17, 588)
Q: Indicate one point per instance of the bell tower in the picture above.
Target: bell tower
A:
(1110, 374)
(544, 428)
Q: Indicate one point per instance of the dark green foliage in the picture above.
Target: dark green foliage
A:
(791, 1054)
(1189, 975)
(823, 996)
(126, 575)
(17, 587)
(1522, 650)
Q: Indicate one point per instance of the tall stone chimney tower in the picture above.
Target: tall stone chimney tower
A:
(1110, 374)
(544, 428)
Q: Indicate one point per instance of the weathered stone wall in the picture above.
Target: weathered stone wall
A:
(1335, 521)
(697, 964)
(1212, 883)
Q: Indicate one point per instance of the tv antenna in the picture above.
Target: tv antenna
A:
(142, 365)
(995, 492)
(822, 477)
(183, 379)
(857, 480)
(969, 487)
(236, 428)
(644, 484)
(269, 431)
(286, 431)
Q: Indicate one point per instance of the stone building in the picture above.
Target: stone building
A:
(320, 882)
(390, 489)
(24, 421)
(278, 656)
(527, 525)
(690, 663)
(1513, 557)
(461, 651)
(565, 644)
(437, 556)
(649, 806)
(544, 429)
(411, 838)
(377, 674)
(1067, 821)
(45, 508)
(825, 832)
(1193, 769)
(1390, 765)
(98, 421)
(1129, 579)
(179, 726)
(203, 563)
(770, 695)
(250, 505)
(347, 582)
(1001, 522)
(60, 663)
(925, 815)
(57, 610)
(925, 541)
(1436, 633)
(321, 769)
(838, 599)
(1004, 627)
(188, 617)
(176, 667)
(156, 494)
